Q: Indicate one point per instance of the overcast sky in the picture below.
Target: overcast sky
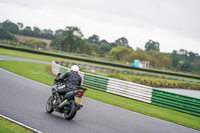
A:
(175, 24)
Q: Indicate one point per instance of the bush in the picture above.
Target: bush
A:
(155, 82)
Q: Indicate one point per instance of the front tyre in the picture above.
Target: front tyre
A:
(49, 105)
(70, 110)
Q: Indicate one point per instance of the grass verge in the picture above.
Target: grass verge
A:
(36, 71)
(9, 127)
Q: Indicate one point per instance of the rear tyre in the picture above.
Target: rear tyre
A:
(70, 110)
(49, 105)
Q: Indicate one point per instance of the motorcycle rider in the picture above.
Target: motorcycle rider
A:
(72, 80)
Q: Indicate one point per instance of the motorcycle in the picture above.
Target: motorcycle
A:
(71, 102)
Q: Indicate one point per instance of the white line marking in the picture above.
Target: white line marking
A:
(20, 124)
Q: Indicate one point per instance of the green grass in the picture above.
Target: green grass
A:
(34, 71)
(9, 127)
(38, 72)
(50, 59)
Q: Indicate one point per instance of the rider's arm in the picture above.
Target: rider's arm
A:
(64, 76)
(80, 82)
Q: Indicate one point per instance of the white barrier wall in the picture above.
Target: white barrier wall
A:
(130, 90)
(55, 68)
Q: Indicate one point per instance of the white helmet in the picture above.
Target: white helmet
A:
(75, 68)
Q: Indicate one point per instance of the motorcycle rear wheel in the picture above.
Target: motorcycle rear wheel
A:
(49, 105)
(71, 110)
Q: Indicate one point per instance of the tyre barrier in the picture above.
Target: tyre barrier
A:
(136, 91)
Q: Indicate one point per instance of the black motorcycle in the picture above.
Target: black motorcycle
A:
(71, 102)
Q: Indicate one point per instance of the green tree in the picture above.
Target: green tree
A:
(87, 48)
(56, 43)
(113, 44)
(34, 43)
(47, 34)
(103, 41)
(72, 39)
(5, 35)
(10, 26)
(159, 60)
(94, 39)
(152, 45)
(197, 65)
(27, 31)
(139, 54)
(186, 66)
(58, 33)
(120, 52)
(122, 42)
(36, 32)
(165, 61)
(20, 26)
(104, 48)
(175, 59)
(192, 56)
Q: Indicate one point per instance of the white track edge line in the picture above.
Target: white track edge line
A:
(21, 124)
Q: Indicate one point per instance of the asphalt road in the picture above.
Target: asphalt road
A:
(24, 100)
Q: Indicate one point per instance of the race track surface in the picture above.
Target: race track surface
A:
(24, 100)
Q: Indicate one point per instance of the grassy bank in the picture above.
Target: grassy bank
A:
(9, 127)
(38, 72)
(34, 71)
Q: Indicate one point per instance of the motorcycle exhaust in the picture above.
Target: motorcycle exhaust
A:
(61, 105)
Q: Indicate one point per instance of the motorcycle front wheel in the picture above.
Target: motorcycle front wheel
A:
(49, 105)
(70, 110)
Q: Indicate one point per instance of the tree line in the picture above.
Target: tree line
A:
(72, 39)
(20, 29)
